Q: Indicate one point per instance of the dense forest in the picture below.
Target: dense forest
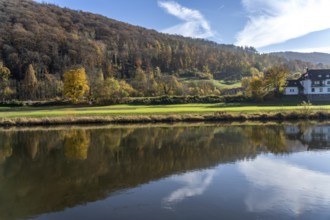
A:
(40, 42)
(318, 58)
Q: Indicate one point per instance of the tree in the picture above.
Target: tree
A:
(169, 85)
(275, 79)
(125, 89)
(206, 72)
(29, 84)
(75, 84)
(140, 81)
(5, 91)
(112, 89)
(256, 88)
(4, 73)
(96, 81)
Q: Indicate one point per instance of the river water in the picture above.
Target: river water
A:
(179, 171)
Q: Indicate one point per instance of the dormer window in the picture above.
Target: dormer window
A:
(320, 76)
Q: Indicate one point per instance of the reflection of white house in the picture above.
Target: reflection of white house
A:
(317, 133)
(292, 130)
(315, 137)
(314, 83)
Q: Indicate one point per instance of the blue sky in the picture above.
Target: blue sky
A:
(268, 25)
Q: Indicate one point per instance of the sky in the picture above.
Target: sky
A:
(267, 25)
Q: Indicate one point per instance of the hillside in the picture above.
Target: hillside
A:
(316, 58)
(41, 42)
(55, 39)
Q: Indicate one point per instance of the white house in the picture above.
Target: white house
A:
(315, 84)
(292, 87)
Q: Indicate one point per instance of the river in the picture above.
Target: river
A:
(166, 171)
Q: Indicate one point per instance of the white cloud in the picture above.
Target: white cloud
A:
(195, 184)
(313, 49)
(271, 22)
(279, 185)
(194, 25)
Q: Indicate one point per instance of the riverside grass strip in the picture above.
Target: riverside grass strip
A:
(151, 114)
(134, 110)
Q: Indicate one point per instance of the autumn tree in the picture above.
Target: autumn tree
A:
(96, 81)
(140, 81)
(75, 84)
(206, 72)
(256, 88)
(275, 79)
(114, 90)
(169, 85)
(4, 78)
(4, 73)
(29, 84)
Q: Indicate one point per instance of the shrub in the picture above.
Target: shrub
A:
(306, 108)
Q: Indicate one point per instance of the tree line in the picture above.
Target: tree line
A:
(49, 41)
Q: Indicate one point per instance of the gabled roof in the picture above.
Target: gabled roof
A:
(293, 83)
(316, 74)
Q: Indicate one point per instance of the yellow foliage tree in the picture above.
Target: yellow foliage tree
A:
(256, 88)
(4, 77)
(75, 84)
(275, 79)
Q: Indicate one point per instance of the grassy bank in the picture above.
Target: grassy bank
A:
(11, 116)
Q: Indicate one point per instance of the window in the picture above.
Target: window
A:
(328, 89)
(328, 82)
(291, 90)
(321, 89)
(313, 89)
(316, 82)
(320, 76)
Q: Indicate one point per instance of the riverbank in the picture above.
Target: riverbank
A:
(126, 119)
(65, 115)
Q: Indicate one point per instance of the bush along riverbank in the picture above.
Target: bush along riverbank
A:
(125, 119)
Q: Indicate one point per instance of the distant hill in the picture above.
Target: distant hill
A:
(55, 39)
(315, 57)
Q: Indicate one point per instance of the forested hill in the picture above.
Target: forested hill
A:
(55, 39)
(316, 58)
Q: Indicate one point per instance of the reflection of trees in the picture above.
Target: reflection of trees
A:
(273, 138)
(76, 145)
(6, 149)
(117, 158)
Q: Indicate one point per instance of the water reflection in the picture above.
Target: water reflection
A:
(195, 183)
(279, 185)
(76, 145)
(47, 170)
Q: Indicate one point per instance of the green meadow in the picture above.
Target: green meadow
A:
(132, 110)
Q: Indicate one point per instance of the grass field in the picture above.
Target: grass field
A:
(131, 110)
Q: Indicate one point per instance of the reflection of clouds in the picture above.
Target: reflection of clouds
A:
(195, 184)
(283, 186)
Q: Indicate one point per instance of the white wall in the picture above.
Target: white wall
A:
(307, 84)
(291, 91)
